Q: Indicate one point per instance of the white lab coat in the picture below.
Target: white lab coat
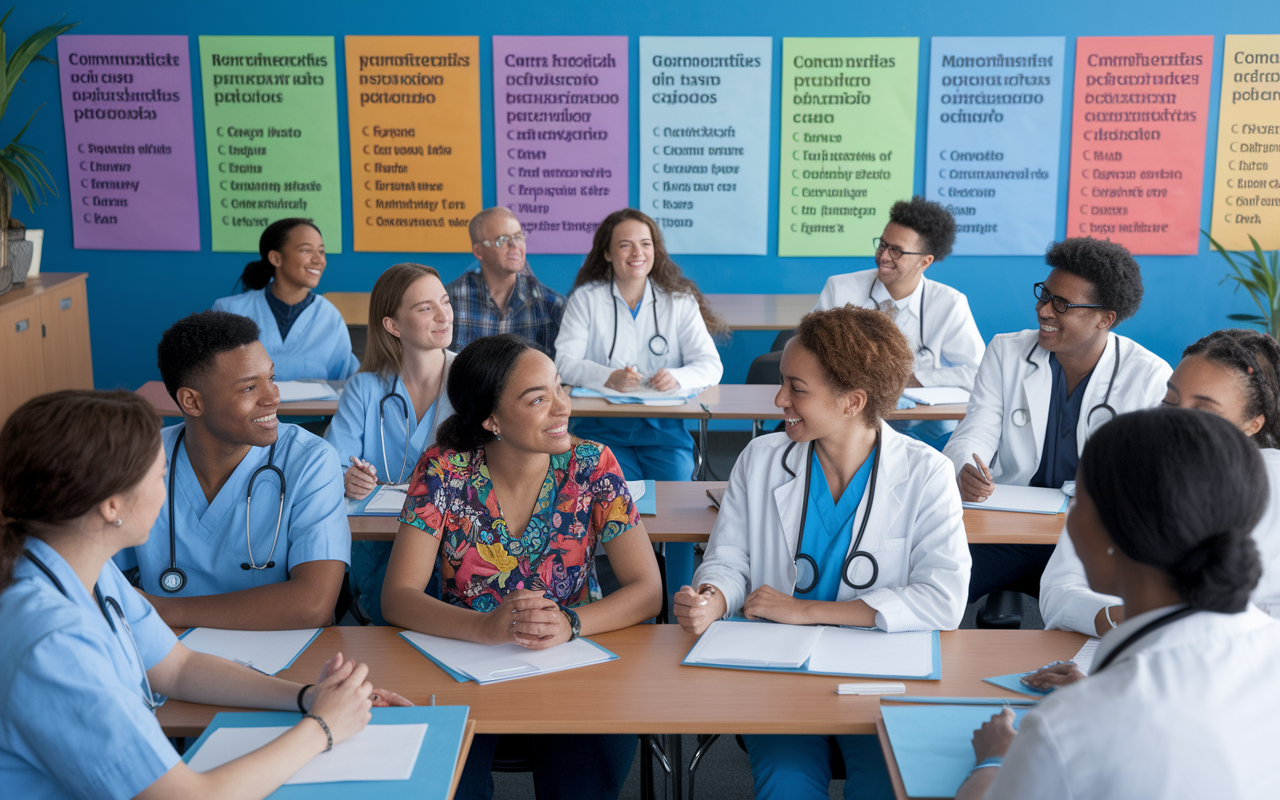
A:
(954, 344)
(587, 332)
(916, 532)
(1188, 712)
(1067, 602)
(1009, 389)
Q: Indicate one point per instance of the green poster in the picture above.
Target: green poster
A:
(848, 141)
(271, 132)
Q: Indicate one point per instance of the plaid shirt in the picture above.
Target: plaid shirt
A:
(533, 310)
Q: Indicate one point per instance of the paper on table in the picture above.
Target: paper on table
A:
(266, 651)
(936, 395)
(1031, 499)
(636, 488)
(485, 663)
(755, 644)
(386, 500)
(297, 391)
(1084, 658)
(860, 652)
(377, 753)
(932, 744)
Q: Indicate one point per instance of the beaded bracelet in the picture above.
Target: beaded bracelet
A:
(327, 735)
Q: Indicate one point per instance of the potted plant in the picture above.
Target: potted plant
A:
(1260, 276)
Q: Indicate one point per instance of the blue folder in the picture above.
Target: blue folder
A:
(933, 743)
(649, 503)
(803, 669)
(356, 508)
(432, 774)
(1013, 682)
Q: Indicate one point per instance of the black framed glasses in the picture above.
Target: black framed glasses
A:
(1060, 304)
(894, 251)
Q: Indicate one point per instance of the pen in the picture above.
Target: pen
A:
(982, 470)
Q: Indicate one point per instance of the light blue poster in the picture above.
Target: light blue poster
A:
(995, 122)
(705, 107)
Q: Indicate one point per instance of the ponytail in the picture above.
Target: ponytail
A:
(257, 274)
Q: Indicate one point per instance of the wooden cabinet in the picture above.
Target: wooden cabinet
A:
(44, 339)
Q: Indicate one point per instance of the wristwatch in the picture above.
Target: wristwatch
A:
(575, 624)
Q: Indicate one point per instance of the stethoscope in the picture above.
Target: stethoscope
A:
(404, 405)
(1021, 416)
(174, 579)
(923, 348)
(657, 343)
(807, 571)
(1150, 627)
(103, 603)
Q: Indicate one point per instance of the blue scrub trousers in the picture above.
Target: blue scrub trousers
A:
(368, 571)
(569, 766)
(933, 432)
(799, 767)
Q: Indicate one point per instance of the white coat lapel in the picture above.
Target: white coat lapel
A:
(789, 499)
(1095, 390)
(1037, 385)
(891, 482)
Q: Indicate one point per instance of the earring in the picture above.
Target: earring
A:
(118, 522)
(1111, 551)
(497, 437)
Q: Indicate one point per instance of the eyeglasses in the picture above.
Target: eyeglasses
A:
(894, 251)
(504, 240)
(1060, 304)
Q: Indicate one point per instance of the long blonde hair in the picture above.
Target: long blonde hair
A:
(383, 353)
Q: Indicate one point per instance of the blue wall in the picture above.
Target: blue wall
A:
(133, 296)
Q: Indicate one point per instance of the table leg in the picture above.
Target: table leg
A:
(755, 428)
(701, 473)
(675, 753)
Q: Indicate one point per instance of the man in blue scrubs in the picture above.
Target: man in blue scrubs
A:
(286, 571)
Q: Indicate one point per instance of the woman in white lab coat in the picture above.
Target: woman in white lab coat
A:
(1181, 699)
(839, 521)
(1236, 375)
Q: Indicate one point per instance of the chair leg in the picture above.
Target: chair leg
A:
(705, 740)
(660, 552)
(676, 755)
(646, 770)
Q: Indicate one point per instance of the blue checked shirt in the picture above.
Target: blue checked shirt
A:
(533, 310)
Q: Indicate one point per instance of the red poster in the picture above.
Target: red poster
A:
(1137, 141)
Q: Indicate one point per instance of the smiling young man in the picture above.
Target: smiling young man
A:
(203, 564)
(1039, 394)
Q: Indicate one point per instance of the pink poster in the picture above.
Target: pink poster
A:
(131, 161)
(560, 118)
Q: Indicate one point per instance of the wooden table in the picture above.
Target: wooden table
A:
(755, 401)
(155, 394)
(762, 312)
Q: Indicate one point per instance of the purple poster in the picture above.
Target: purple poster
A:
(131, 159)
(560, 123)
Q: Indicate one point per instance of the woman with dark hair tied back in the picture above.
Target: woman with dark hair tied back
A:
(1181, 700)
(84, 659)
(514, 510)
(303, 333)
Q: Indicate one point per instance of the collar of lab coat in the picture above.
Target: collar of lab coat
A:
(1038, 385)
(909, 303)
(650, 293)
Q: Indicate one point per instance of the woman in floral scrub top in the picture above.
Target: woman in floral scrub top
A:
(514, 508)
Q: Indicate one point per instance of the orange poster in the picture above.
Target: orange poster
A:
(1137, 141)
(414, 116)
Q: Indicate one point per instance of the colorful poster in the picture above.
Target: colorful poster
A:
(704, 141)
(560, 127)
(1138, 127)
(271, 135)
(413, 110)
(848, 141)
(995, 117)
(1246, 185)
(131, 153)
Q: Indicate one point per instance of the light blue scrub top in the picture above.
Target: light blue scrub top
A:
(828, 527)
(211, 542)
(73, 723)
(318, 347)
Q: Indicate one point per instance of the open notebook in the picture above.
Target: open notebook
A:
(1026, 499)
(266, 651)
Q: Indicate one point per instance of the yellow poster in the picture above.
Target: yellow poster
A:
(1246, 187)
(414, 115)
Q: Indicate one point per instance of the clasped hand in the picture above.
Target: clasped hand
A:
(528, 618)
(333, 671)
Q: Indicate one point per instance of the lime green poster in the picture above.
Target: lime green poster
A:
(271, 133)
(848, 141)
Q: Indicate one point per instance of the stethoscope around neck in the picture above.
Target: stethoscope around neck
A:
(923, 348)
(807, 569)
(1022, 417)
(174, 579)
(404, 406)
(657, 342)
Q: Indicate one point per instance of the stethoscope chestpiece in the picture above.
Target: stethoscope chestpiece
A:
(1021, 417)
(173, 580)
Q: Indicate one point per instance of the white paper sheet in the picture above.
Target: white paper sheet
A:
(1032, 499)
(637, 490)
(755, 644)
(936, 395)
(377, 753)
(265, 651)
(486, 663)
(876, 653)
(1084, 659)
(386, 500)
(296, 391)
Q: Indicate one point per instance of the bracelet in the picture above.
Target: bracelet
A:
(994, 761)
(1107, 610)
(301, 708)
(327, 735)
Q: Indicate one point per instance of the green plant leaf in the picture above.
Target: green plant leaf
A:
(25, 53)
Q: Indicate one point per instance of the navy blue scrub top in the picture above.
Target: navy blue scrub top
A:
(284, 313)
(1061, 456)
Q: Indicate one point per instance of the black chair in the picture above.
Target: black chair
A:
(359, 339)
(767, 370)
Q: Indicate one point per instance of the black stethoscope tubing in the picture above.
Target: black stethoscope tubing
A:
(923, 348)
(404, 405)
(658, 344)
(1150, 627)
(1105, 405)
(174, 579)
(854, 552)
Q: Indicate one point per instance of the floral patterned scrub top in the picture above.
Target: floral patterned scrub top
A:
(584, 502)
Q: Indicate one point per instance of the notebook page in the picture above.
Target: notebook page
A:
(266, 651)
(755, 644)
(377, 753)
(875, 653)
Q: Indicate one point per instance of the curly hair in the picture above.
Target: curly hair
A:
(932, 221)
(860, 348)
(665, 273)
(1256, 356)
(1116, 277)
(190, 345)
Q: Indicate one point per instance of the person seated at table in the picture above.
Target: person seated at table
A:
(390, 409)
(801, 504)
(1181, 700)
(934, 317)
(517, 508)
(501, 294)
(1236, 375)
(1038, 395)
(85, 659)
(303, 333)
(254, 535)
